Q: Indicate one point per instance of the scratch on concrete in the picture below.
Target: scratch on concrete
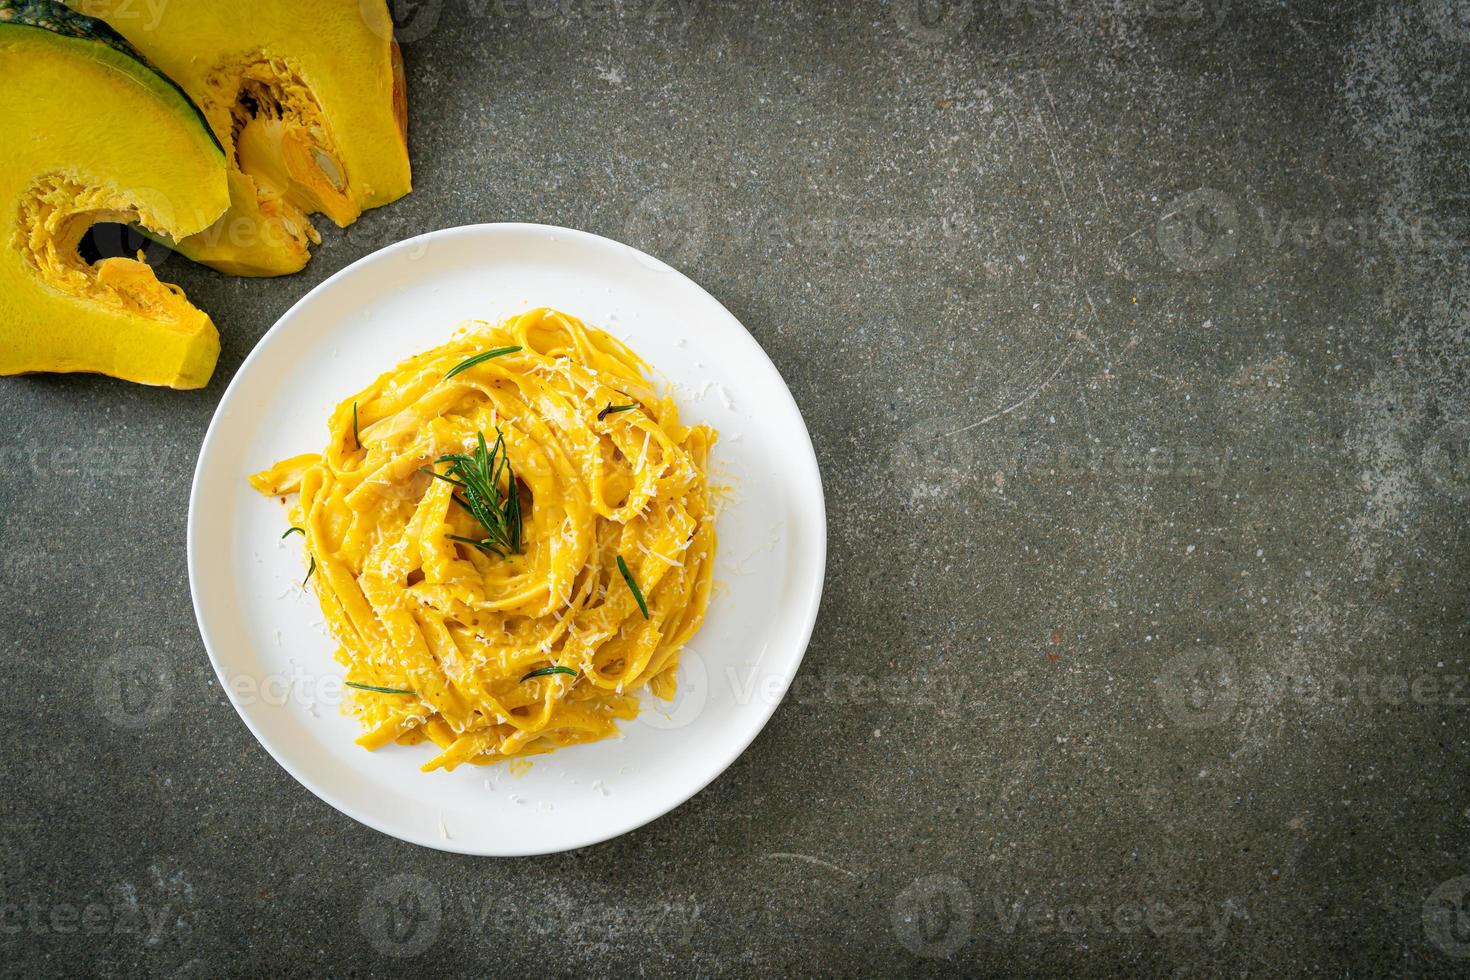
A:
(1077, 335)
(786, 855)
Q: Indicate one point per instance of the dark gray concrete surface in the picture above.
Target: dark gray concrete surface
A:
(1132, 338)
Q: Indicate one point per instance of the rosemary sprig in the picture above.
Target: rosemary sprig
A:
(376, 689)
(477, 477)
(294, 530)
(611, 408)
(355, 440)
(484, 356)
(548, 671)
(637, 592)
(309, 572)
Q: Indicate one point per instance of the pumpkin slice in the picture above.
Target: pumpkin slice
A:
(308, 101)
(92, 134)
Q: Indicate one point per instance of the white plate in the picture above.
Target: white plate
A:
(266, 635)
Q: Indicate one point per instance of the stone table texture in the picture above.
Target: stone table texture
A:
(1132, 338)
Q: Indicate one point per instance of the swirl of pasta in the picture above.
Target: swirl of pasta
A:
(490, 652)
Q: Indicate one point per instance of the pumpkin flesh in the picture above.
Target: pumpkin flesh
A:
(307, 100)
(112, 142)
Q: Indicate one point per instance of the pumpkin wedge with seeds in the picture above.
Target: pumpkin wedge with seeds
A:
(307, 99)
(94, 134)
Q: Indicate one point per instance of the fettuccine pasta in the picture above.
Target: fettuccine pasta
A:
(506, 597)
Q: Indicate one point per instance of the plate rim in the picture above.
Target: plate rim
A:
(811, 601)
